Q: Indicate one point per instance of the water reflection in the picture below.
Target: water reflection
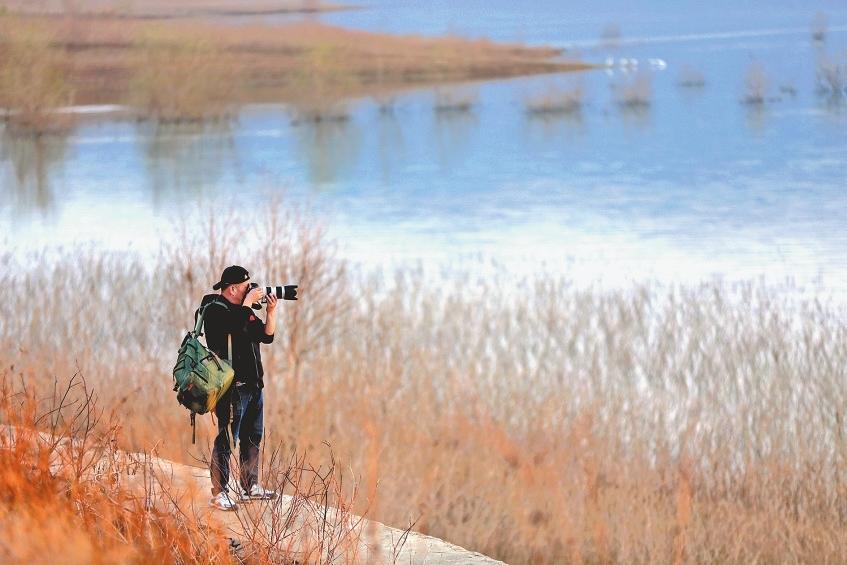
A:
(391, 143)
(27, 161)
(756, 117)
(555, 108)
(329, 145)
(542, 128)
(632, 92)
(833, 104)
(635, 116)
(182, 158)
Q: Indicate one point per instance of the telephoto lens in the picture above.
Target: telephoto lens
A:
(286, 292)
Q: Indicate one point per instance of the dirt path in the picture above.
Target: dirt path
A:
(363, 540)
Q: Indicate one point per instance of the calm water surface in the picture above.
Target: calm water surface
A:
(691, 185)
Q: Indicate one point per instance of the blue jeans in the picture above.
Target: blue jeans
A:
(239, 415)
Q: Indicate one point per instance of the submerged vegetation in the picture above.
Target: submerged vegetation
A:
(558, 424)
(635, 91)
(556, 99)
(831, 75)
(820, 26)
(690, 77)
(455, 101)
(756, 85)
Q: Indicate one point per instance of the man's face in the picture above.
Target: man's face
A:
(239, 291)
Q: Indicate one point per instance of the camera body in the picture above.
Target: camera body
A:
(284, 292)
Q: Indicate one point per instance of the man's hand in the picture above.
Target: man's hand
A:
(270, 319)
(272, 300)
(253, 296)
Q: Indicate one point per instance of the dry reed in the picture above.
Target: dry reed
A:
(634, 92)
(555, 100)
(697, 423)
(756, 85)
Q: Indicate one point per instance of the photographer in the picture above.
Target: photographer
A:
(239, 411)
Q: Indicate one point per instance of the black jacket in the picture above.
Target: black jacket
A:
(247, 330)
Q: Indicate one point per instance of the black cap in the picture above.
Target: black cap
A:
(232, 275)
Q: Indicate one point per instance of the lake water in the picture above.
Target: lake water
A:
(692, 185)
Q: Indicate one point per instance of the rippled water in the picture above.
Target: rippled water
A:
(693, 184)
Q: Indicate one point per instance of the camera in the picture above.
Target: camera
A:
(284, 292)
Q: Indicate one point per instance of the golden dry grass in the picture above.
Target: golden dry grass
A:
(63, 491)
(67, 489)
(525, 418)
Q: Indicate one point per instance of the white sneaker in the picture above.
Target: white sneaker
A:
(257, 492)
(222, 501)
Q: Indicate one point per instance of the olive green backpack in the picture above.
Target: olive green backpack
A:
(201, 377)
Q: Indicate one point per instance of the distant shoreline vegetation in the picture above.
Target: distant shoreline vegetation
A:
(167, 9)
(189, 70)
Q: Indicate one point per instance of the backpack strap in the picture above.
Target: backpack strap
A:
(200, 315)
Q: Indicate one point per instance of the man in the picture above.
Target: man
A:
(230, 319)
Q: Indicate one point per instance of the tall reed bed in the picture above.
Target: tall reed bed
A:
(33, 76)
(521, 416)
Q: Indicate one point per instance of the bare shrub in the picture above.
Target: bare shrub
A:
(819, 26)
(788, 89)
(299, 251)
(386, 104)
(690, 77)
(610, 35)
(317, 113)
(634, 92)
(556, 99)
(454, 101)
(756, 85)
(313, 523)
(831, 75)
